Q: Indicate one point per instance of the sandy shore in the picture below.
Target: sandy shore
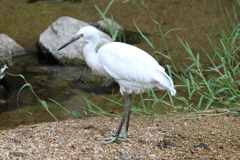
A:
(170, 138)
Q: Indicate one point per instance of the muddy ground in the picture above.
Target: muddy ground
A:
(165, 138)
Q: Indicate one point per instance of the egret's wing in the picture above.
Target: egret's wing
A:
(122, 61)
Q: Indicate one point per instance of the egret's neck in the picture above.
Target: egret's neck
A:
(90, 46)
(89, 54)
(89, 51)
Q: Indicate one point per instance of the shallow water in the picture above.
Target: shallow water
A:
(24, 22)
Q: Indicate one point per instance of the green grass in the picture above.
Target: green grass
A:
(208, 90)
(217, 86)
(40, 101)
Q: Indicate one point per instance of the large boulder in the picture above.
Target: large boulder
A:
(8, 49)
(9, 46)
(5, 56)
(60, 32)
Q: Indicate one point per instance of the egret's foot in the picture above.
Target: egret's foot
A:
(121, 137)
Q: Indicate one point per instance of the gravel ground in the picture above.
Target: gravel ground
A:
(170, 138)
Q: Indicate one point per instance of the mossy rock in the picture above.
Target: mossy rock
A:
(96, 80)
(35, 69)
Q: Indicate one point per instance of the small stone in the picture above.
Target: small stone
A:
(61, 142)
(152, 156)
(17, 154)
(203, 146)
(63, 84)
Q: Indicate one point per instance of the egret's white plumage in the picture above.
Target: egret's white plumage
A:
(132, 68)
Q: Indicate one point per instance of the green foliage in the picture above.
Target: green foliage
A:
(216, 86)
(40, 101)
(112, 31)
(150, 43)
(93, 108)
(209, 90)
(73, 113)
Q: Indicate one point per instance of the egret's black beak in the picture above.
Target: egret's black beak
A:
(71, 41)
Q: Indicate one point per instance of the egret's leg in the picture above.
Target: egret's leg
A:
(127, 124)
(126, 113)
(127, 103)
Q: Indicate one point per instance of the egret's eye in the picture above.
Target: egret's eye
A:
(80, 35)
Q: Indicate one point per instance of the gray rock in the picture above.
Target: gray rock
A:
(96, 80)
(83, 74)
(16, 154)
(5, 59)
(103, 26)
(9, 46)
(5, 56)
(60, 32)
(123, 35)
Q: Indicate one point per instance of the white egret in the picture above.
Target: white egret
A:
(132, 68)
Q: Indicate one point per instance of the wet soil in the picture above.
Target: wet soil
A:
(164, 138)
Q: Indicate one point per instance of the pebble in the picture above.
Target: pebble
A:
(152, 156)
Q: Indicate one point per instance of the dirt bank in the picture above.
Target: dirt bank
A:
(170, 138)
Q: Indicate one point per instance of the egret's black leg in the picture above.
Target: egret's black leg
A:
(125, 135)
(126, 114)
(127, 124)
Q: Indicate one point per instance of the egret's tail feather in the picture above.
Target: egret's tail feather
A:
(173, 92)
